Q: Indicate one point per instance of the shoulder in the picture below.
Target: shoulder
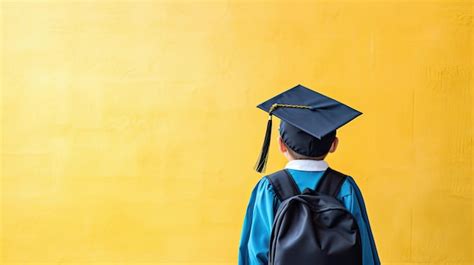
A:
(263, 197)
(263, 188)
(266, 181)
(349, 194)
(349, 186)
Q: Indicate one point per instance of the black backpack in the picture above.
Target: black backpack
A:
(313, 227)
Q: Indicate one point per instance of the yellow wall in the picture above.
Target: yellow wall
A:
(130, 129)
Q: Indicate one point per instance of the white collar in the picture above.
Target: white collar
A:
(307, 165)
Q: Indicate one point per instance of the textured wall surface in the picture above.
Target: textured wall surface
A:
(129, 129)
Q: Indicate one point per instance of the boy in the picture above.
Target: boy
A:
(307, 134)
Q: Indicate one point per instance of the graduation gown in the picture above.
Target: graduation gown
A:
(256, 231)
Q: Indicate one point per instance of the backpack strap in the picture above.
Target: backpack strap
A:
(331, 182)
(283, 184)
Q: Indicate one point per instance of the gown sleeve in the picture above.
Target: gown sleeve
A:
(352, 198)
(256, 231)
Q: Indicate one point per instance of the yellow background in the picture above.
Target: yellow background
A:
(129, 129)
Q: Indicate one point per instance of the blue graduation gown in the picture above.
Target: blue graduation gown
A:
(255, 238)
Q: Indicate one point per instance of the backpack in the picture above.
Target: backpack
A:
(313, 227)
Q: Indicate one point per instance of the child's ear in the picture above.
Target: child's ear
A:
(282, 145)
(334, 145)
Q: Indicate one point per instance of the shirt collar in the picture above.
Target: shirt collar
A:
(307, 165)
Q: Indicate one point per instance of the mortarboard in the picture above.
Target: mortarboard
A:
(309, 121)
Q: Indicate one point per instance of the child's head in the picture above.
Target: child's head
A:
(309, 123)
(297, 144)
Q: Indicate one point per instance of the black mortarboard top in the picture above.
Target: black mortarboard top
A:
(307, 110)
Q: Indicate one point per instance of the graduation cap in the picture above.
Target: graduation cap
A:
(309, 121)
